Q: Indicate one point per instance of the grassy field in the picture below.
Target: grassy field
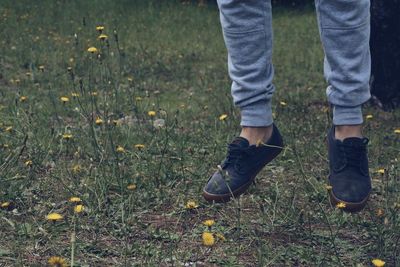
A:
(133, 130)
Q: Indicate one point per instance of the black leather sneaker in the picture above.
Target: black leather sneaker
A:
(240, 167)
(349, 174)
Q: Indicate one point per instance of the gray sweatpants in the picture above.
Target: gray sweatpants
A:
(344, 28)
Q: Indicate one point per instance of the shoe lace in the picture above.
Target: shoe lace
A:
(353, 154)
(234, 156)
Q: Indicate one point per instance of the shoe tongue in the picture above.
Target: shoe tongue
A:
(240, 141)
(355, 141)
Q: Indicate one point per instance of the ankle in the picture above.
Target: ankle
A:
(345, 131)
(256, 134)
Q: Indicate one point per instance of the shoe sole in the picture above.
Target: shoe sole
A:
(227, 197)
(236, 193)
(350, 206)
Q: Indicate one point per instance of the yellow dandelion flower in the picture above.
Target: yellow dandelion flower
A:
(378, 263)
(341, 205)
(28, 163)
(151, 113)
(283, 103)
(23, 98)
(5, 204)
(64, 99)
(328, 187)
(103, 37)
(28, 74)
(209, 223)
(131, 187)
(74, 94)
(381, 171)
(99, 28)
(138, 98)
(79, 208)
(139, 146)
(74, 199)
(76, 168)
(41, 68)
(120, 149)
(8, 129)
(56, 261)
(397, 131)
(92, 49)
(54, 217)
(379, 212)
(220, 236)
(259, 143)
(94, 93)
(223, 117)
(369, 116)
(191, 204)
(130, 79)
(208, 239)
(99, 121)
(67, 136)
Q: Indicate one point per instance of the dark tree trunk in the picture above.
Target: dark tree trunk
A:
(385, 52)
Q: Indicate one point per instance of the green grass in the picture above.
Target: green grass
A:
(169, 58)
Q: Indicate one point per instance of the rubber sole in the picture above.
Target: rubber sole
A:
(350, 206)
(227, 197)
(223, 198)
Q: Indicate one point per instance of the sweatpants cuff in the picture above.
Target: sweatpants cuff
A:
(258, 114)
(347, 115)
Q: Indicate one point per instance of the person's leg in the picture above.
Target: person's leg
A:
(247, 30)
(345, 29)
